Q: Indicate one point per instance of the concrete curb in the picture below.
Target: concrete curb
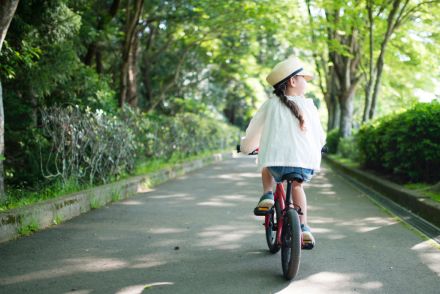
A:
(411, 200)
(24, 220)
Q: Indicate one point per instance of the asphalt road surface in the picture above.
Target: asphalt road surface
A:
(197, 234)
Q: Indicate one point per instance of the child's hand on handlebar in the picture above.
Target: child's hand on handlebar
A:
(255, 152)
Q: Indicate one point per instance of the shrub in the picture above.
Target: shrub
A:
(348, 148)
(95, 146)
(333, 137)
(406, 145)
(86, 145)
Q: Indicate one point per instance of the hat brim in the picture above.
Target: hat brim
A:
(307, 75)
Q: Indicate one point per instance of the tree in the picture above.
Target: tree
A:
(128, 86)
(326, 75)
(400, 11)
(6, 14)
(96, 19)
(340, 27)
(187, 46)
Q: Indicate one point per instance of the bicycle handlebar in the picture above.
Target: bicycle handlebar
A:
(255, 152)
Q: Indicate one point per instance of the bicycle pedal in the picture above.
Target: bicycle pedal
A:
(307, 246)
(262, 211)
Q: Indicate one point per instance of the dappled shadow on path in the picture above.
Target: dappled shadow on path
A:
(197, 234)
(359, 248)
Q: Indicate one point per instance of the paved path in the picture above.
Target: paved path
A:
(197, 234)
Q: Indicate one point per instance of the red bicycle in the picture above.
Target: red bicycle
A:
(283, 227)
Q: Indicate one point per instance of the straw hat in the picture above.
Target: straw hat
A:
(286, 69)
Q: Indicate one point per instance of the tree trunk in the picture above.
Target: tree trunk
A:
(346, 117)
(332, 101)
(147, 85)
(94, 48)
(91, 52)
(346, 69)
(6, 14)
(393, 20)
(99, 64)
(334, 113)
(128, 73)
(344, 72)
(376, 88)
(370, 80)
(2, 147)
(132, 97)
(7, 11)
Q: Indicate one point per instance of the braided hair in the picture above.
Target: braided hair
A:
(280, 91)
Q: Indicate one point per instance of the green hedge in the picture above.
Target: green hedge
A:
(185, 134)
(333, 138)
(406, 145)
(96, 146)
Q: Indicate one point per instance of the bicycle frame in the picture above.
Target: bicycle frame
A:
(280, 198)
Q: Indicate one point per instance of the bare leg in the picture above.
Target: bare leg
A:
(299, 199)
(267, 180)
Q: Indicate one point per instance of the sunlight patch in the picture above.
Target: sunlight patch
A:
(77, 265)
(429, 255)
(131, 202)
(215, 204)
(331, 282)
(166, 230)
(137, 289)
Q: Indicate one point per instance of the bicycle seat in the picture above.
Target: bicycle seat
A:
(292, 177)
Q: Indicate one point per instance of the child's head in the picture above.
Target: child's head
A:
(289, 78)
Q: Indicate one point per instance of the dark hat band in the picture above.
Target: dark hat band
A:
(288, 77)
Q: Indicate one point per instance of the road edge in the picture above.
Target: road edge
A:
(28, 219)
(416, 203)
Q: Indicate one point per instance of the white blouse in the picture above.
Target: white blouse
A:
(281, 142)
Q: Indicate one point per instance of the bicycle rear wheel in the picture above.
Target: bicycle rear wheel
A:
(271, 229)
(291, 244)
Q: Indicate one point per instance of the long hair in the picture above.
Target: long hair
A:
(280, 91)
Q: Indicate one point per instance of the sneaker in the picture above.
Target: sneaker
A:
(266, 200)
(307, 238)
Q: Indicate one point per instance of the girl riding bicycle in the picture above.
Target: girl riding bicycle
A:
(289, 136)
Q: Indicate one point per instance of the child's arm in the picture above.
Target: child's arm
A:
(253, 132)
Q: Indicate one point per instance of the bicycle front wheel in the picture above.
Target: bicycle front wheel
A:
(291, 244)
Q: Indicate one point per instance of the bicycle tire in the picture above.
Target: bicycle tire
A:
(291, 244)
(271, 230)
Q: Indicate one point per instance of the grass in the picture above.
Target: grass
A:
(58, 219)
(116, 196)
(421, 188)
(28, 229)
(20, 197)
(424, 189)
(95, 203)
(157, 164)
(346, 161)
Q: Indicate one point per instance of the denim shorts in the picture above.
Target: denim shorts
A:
(279, 171)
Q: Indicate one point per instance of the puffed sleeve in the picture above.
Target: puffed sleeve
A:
(253, 132)
(321, 133)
